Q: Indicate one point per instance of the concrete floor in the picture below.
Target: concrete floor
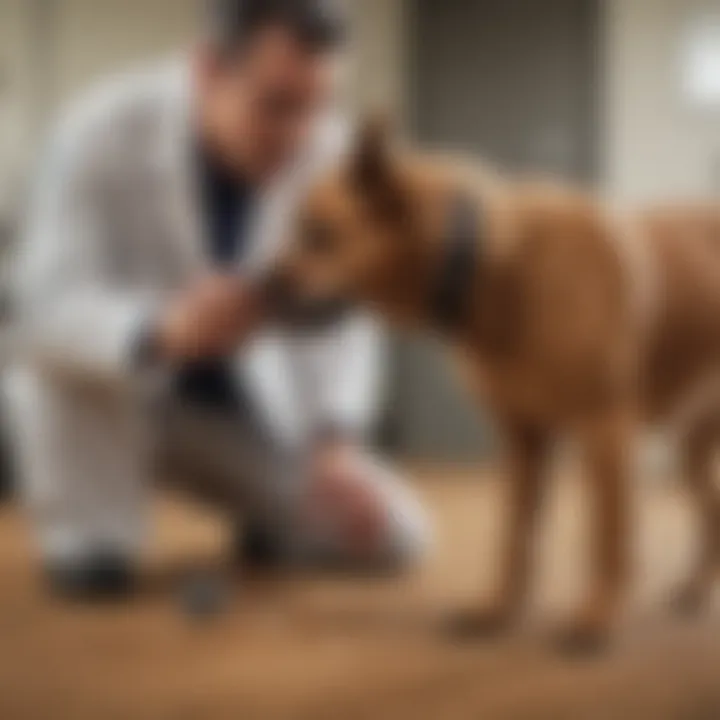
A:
(333, 649)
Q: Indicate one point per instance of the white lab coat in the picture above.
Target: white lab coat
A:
(115, 228)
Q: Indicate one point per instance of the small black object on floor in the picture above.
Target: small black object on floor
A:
(205, 595)
(7, 465)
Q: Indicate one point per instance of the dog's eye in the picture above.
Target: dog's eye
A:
(319, 239)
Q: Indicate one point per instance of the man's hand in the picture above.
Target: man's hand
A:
(341, 494)
(210, 320)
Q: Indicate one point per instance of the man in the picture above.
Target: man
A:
(164, 198)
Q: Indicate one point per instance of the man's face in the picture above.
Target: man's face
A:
(257, 108)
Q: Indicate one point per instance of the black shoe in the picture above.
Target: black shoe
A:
(257, 548)
(7, 469)
(6, 487)
(102, 577)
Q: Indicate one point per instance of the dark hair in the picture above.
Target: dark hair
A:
(319, 24)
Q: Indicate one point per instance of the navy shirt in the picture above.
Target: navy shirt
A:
(225, 202)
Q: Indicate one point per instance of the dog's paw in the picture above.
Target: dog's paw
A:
(690, 600)
(479, 623)
(583, 637)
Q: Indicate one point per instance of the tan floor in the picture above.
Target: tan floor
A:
(351, 650)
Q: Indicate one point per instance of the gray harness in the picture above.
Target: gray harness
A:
(450, 298)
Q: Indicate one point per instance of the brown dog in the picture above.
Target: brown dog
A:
(569, 319)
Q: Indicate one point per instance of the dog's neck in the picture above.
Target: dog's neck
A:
(450, 273)
(469, 294)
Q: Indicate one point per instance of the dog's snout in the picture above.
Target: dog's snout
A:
(288, 304)
(278, 290)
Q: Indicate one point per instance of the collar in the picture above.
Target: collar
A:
(455, 282)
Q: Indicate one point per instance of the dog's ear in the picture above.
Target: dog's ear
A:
(373, 169)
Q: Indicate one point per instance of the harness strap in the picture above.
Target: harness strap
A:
(450, 299)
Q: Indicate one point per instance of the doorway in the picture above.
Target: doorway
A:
(517, 83)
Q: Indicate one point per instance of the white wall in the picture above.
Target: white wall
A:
(379, 82)
(16, 97)
(97, 37)
(657, 145)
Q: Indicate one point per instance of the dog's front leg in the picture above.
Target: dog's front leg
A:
(606, 442)
(527, 454)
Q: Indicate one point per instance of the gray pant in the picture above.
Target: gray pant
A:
(85, 457)
(231, 462)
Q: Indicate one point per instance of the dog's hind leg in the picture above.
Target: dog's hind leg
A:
(527, 456)
(699, 451)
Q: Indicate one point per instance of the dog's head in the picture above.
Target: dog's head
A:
(357, 239)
